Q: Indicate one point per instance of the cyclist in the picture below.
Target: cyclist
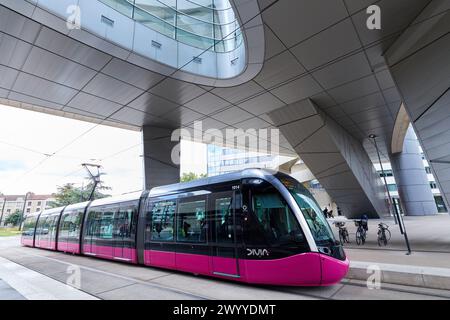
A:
(365, 222)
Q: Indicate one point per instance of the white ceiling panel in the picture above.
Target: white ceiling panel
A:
(177, 91)
(239, 93)
(111, 89)
(341, 39)
(72, 49)
(343, 71)
(261, 104)
(207, 104)
(279, 69)
(43, 89)
(132, 74)
(13, 52)
(94, 104)
(232, 115)
(55, 68)
(294, 21)
(296, 90)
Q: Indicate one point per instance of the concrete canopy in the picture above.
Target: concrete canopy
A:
(320, 50)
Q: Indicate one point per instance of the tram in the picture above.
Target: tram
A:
(254, 226)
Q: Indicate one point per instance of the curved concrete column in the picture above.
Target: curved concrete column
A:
(159, 168)
(418, 64)
(336, 158)
(412, 181)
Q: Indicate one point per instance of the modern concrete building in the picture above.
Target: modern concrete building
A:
(319, 71)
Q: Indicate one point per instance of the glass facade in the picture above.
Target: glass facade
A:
(225, 160)
(205, 24)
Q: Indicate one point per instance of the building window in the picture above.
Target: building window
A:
(39, 203)
(433, 185)
(428, 170)
(29, 203)
(440, 204)
(28, 210)
(392, 187)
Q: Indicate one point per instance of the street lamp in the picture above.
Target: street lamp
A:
(396, 214)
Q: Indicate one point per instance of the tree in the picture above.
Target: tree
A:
(191, 176)
(69, 194)
(15, 218)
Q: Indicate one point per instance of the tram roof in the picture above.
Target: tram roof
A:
(246, 173)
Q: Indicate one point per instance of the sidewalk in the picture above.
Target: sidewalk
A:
(427, 234)
(429, 264)
(421, 269)
(8, 293)
(18, 282)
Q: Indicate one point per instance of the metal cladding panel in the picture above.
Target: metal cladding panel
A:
(337, 159)
(417, 63)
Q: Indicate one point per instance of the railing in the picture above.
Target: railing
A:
(205, 24)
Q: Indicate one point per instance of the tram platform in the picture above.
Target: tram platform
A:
(42, 274)
(427, 266)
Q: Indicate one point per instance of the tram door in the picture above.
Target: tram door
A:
(224, 251)
(124, 244)
(92, 230)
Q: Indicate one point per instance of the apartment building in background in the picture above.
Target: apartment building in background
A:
(9, 204)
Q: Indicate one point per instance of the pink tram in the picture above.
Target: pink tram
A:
(253, 226)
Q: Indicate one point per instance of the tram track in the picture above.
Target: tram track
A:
(15, 255)
(146, 283)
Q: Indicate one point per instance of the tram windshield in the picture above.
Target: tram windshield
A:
(317, 222)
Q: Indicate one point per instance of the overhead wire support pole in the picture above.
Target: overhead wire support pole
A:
(95, 178)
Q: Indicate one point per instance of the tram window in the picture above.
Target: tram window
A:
(123, 222)
(65, 225)
(75, 224)
(51, 224)
(162, 218)
(276, 219)
(192, 221)
(314, 217)
(42, 226)
(224, 220)
(28, 227)
(106, 226)
(93, 225)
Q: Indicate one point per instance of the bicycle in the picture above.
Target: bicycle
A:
(384, 235)
(361, 232)
(343, 233)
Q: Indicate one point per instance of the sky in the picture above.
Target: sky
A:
(27, 138)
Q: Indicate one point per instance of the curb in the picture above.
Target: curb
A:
(417, 276)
